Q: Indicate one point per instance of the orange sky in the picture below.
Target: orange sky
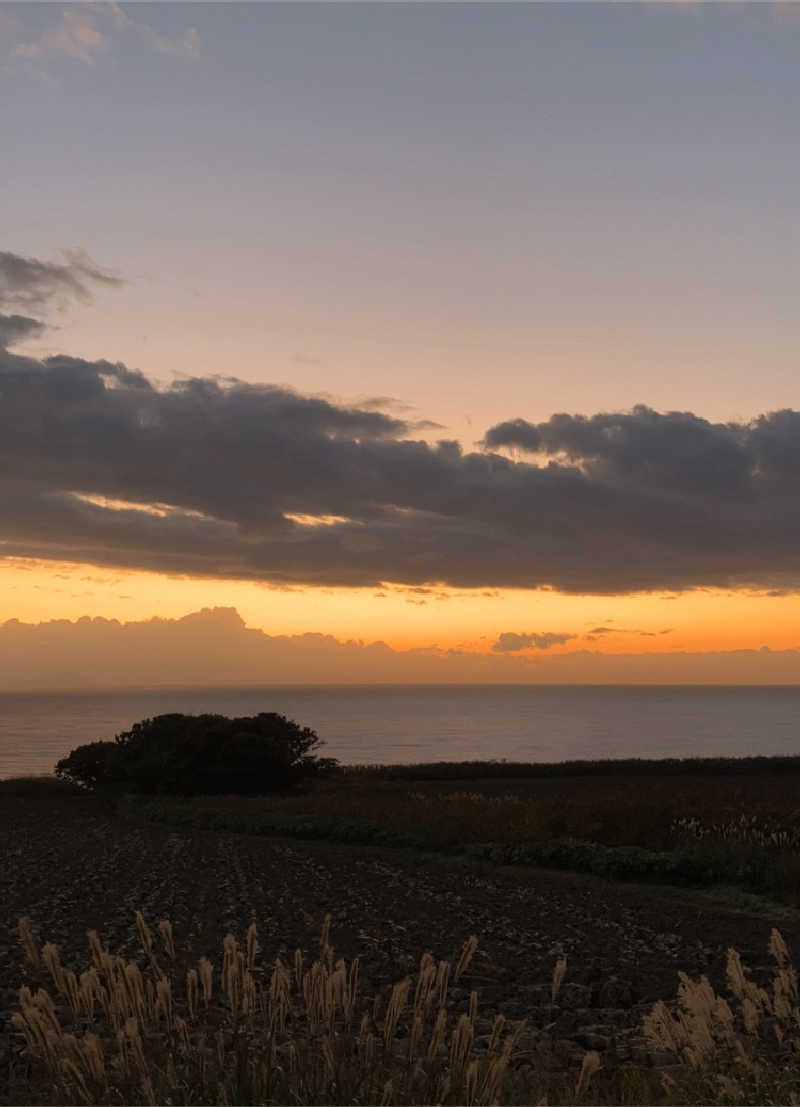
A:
(700, 620)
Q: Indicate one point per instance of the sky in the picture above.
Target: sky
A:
(468, 329)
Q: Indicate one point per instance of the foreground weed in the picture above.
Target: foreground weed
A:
(742, 1051)
(249, 1033)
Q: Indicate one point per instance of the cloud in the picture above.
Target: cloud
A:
(31, 283)
(214, 647)
(597, 632)
(216, 477)
(74, 33)
(185, 44)
(84, 31)
(674, 452)
(16, 328)
(509, 642)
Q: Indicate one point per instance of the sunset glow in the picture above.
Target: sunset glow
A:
(410, 618)
(494, 360)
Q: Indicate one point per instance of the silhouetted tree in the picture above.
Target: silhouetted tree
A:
(200, 755)
(91, 766)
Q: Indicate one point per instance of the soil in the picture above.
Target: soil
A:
(70, 866)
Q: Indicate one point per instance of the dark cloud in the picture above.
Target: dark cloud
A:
(259, 482)
(16, 328)
(233, 462)
(509, 642)
(677, 451)
(31, 283)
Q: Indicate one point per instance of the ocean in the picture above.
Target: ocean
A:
(391, 724)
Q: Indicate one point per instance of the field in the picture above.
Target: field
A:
(74, 864)
(697, 823)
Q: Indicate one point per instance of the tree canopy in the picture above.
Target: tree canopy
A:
(200, 755)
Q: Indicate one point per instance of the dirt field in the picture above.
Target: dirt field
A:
(70, 866)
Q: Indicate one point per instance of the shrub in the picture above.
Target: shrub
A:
(200, 755)
(91, 766)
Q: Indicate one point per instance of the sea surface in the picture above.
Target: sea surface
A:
(412, 723)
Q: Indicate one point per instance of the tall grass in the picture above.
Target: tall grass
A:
(248, 1032)
(245, 1032)
(742, 1051)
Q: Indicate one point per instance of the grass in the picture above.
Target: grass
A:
(250, 1031)
(246, 1032)
(697, 824)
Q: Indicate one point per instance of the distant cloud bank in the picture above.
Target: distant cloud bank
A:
(216, 477)
(213, 647)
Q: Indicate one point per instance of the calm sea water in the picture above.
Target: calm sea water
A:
(394, 724)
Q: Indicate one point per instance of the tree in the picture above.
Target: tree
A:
(200, 755)
(91, 766)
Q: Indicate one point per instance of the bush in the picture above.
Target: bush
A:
(92, 766)
(199, 755)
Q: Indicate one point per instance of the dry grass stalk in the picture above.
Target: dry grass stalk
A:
(73, 991)
(165, 930)
(777, 947)
(467, 954)
(497, 1030)
(145, 937)
(206, 972)
(53, 963)
(461, 1043)
(164, 1006)
(280, 991)
(192, 992)
(136, 990)
(182, 1028)
(141, 1037)
(423, 991)
(725, 1047)
(590, 1065)
(96, 948)
(89, 987)
(437, 1034)
(249, 994)
(559, 972)
(30, 947)
(251, 944)
(325, 948)
(442, 982)
(394, 1009)
(348, 1007)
